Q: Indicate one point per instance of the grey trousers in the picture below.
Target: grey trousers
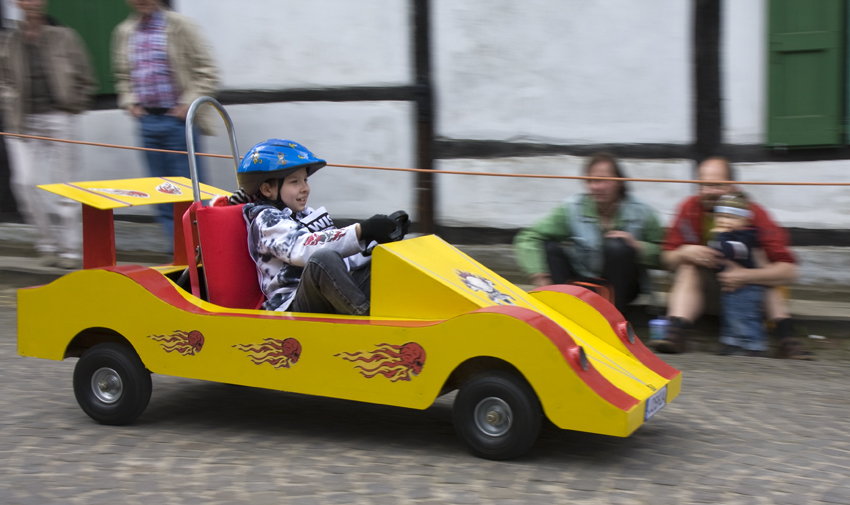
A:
(327, 287)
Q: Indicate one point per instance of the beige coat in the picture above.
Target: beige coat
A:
(189, 56)
(69, 74)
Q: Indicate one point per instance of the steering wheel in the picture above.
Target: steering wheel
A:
(402, 225)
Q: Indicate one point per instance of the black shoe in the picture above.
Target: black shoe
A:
(730, 350)
(792, 348)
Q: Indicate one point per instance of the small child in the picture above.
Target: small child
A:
(304, 263)
(742, 311)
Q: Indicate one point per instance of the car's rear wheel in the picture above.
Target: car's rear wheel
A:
(497, 415)
(111, 384)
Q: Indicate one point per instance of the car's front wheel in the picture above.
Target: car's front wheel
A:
(497, 415)
(111, 384)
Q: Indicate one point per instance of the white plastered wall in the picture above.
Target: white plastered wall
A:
(360, 133)
(290, 44)
(569, 72)
(507, 202)
(280, 44)
(743, 75)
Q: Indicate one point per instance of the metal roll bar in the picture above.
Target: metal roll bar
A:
(190, 139)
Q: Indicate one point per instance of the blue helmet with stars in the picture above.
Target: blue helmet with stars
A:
(274, 159)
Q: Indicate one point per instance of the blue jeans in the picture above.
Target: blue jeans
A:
(742, 318)
(160, 131)
(327, 287)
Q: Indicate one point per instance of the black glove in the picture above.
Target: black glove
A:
(377, 228)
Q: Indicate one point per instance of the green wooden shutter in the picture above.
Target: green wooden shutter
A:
(805, 73)
(94, 21)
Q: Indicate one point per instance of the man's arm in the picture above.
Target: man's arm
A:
(699, 255)
(121, 67)
(86, 81)
(201, 65)
(773, 274)
(6, 88)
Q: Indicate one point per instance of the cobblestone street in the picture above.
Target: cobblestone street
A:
(744, 430)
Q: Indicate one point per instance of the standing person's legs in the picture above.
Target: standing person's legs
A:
(28, 169)
(152, 138)
(328, 288)
(169, 133)
(621, 270)
(64, 167)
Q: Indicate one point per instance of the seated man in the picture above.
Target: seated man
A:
(685, 251)
(607, 233)
(305, 263)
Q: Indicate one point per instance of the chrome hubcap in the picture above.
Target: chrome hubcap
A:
(493, 416)
(106, 385)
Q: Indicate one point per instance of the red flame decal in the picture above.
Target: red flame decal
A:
(277, 353)
(187, 344)
(395, 362)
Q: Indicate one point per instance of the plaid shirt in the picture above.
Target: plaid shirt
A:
(150, 73)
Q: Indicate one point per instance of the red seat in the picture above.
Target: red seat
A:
(230, 273)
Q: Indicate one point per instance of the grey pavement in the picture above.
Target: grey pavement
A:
(743, 431)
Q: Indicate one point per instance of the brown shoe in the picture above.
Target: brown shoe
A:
(673, 343)
(792, 348)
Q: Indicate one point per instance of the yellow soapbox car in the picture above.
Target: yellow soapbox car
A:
(440, 321)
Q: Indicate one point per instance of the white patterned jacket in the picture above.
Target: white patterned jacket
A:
(281, 243)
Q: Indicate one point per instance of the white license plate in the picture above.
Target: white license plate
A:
(655, 403)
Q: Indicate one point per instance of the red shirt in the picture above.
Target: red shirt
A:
(688, 229)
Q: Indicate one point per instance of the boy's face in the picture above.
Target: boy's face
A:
(730, 222)
(293, 192)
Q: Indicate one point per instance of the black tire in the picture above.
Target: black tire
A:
(497, 415)
(111, 384)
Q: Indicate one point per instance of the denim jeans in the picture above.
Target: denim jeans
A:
(742, 318)
(620, 269)
(327, 287)
(160, 131)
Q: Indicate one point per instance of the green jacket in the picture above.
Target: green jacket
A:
(575, 224)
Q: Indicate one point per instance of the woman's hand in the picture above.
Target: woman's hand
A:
(627, 237)
(540, 280)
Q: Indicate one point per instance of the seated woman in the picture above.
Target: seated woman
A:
(305, 263)
(603, 233)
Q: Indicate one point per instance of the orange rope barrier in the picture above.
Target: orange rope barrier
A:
(449, 172)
